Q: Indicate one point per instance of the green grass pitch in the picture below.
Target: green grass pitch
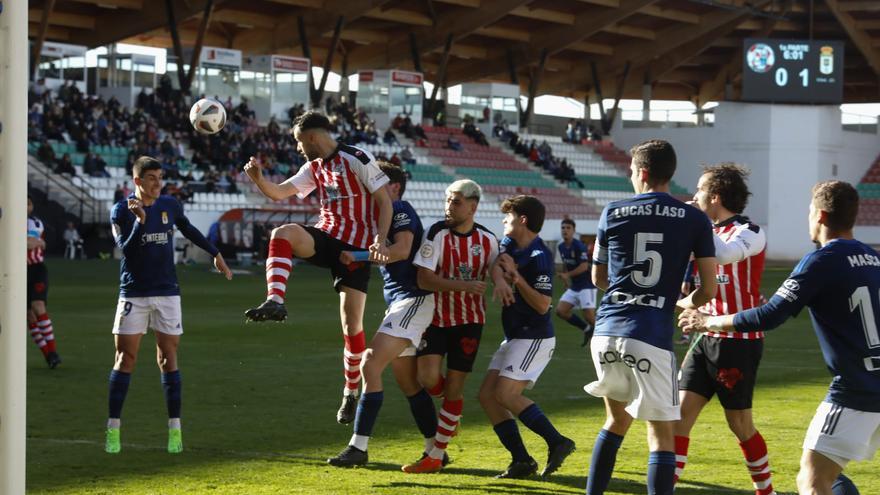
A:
(260, 401)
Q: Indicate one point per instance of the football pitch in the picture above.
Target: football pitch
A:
(259, 404)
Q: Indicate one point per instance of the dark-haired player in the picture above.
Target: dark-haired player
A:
(580, 292)
(523, 279)
(355, 216)
(410, 311)
(840, 284)
(149, 295)
(726, 363)
(642, 249)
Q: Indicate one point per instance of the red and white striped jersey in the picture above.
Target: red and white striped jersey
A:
(739, 249)
(458, 256)
(345, 181)
(35, 228)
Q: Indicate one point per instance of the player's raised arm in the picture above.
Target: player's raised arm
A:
(273, 191)
(383, 225)
(125, 229)
(193, 234)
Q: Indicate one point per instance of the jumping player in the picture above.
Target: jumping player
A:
(527, 264)
(726, 363)
(840, 284)
(580, 292)
(149, 295)
(642, 249)
(453, 261)
(410, 311)
(355, 216)
(39, 323)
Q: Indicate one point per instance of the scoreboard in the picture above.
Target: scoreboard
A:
(792, 71)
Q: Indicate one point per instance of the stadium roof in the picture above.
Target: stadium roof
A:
(688, 49)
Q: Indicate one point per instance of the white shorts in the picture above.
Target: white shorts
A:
(523, 359)
(583, 299)
(843, 434)
(134, 315)
(638, 374)
(408, 319)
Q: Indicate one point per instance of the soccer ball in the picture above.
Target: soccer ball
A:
(207, 116)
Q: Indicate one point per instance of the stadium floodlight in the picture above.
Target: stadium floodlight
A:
(13, 198)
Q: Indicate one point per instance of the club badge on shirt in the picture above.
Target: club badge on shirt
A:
(165, 217)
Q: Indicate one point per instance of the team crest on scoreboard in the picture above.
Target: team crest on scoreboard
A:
(760, 58)
(165, 217)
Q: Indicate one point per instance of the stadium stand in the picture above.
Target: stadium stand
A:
(869, 195)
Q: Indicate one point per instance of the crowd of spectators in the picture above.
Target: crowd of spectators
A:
(576, 132)
(542, 156)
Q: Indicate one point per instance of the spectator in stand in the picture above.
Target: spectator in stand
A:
(570, 136)
(453, 143)
(119, 194)
(39, 88)
(390, 139)
(395, 159)
(95, 166)
(397, 122)
(406, 155)
(65, 166)
(486, 113)
(46, 154)
(73, 242)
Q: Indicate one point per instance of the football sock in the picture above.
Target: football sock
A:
(844, 486)
(602, 462)
(365, 418)
(758, 462)
(174, 423)
(119, 381)
(577, 321)
(437, 390)
(536, 421)
(45, 326)
(423, 411)
(681, 455)
(37, 337)
(355, 346)
(279, 264)
(447, 421)
(661, 473)
(508, 433)
(171, 384)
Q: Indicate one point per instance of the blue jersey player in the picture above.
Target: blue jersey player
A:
(575, 273)
(523, 276)
(840, 284)
(410, 311)
(642, 249)
(149, 296)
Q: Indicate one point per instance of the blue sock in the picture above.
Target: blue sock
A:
(367, 412)
(424, 412)
(119, 381)
(844, 486)
(536, 421)
(508, 433)
(577, 321)
(171, 384)
(602, 463)
(661, 473)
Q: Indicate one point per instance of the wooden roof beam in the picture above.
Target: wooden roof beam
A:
(115, 4)
(504, 33)
(464, 3)
(402, 16)
(312, 4)
(861, 5)
(63, 19)
(554, 40)
(243, 18)
(671, 14)
(859, 37)
(52, 32)
(541, 14)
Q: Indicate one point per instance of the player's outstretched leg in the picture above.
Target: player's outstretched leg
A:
(607, 444)
(279, 264)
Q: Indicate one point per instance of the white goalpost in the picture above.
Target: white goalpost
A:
(13, 228)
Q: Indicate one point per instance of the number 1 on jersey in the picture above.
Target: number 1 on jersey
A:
(861, 299)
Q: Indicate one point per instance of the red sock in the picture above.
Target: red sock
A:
(681, 455)
(437, 390)
(758, 462)
(447, 421)
(45, 326)
(37, 337)
(279, 264)
(355, 346)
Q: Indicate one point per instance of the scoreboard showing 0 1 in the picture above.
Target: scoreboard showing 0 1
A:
(793, 71)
